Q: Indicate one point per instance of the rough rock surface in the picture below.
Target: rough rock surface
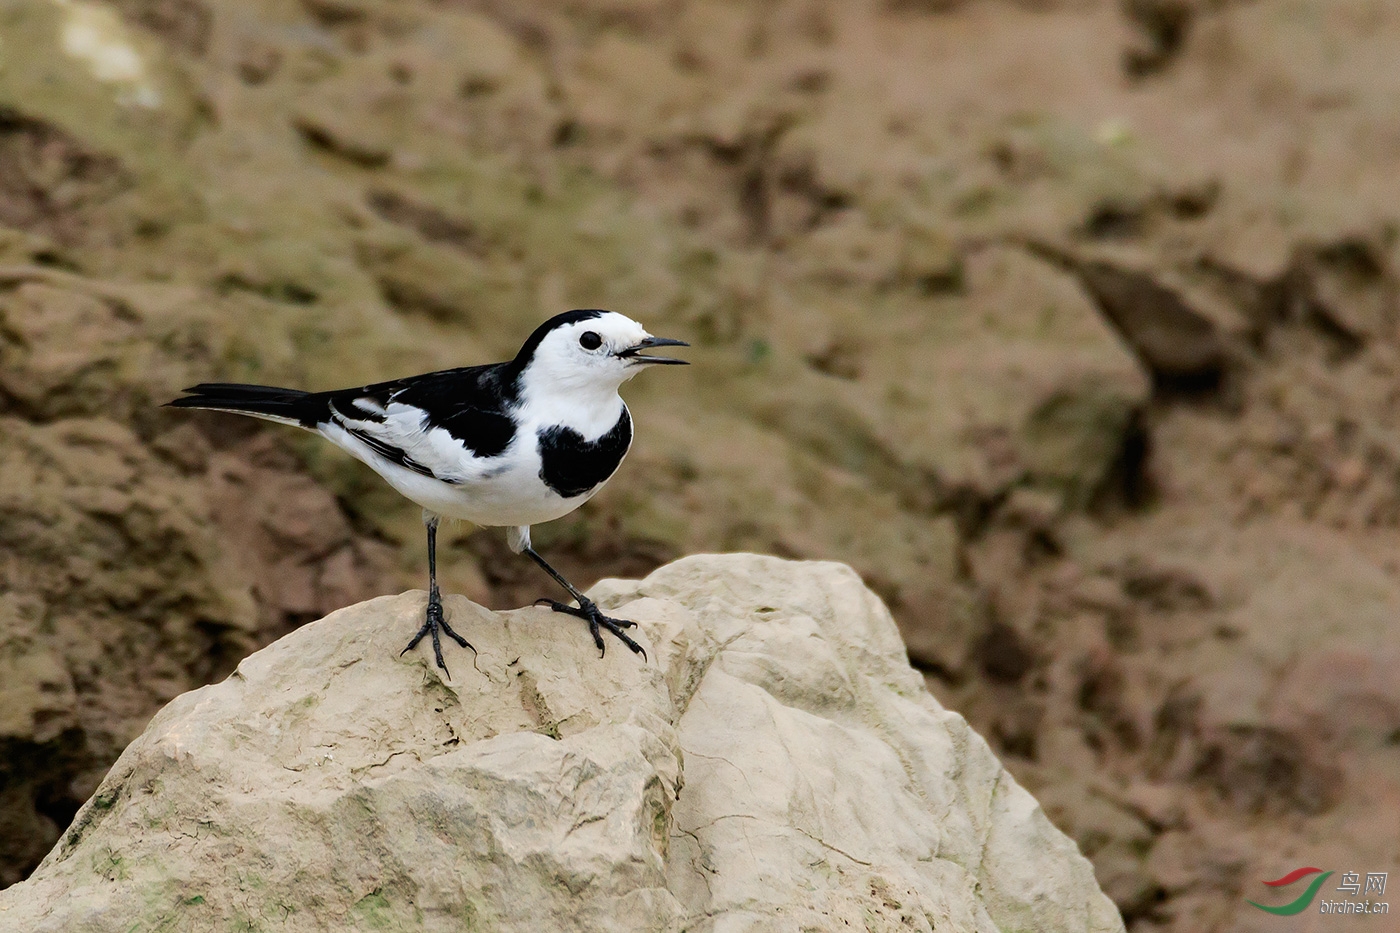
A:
(777, 765)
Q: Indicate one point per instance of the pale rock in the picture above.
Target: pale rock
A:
(775, 765)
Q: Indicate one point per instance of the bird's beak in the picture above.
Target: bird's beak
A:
(634, 353)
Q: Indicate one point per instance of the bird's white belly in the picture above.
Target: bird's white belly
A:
(508, 490)
(516, 496)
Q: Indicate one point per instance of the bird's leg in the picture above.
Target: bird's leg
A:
(435, 621)
(587, 609)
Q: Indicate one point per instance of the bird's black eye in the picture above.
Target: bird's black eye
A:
(590, 341)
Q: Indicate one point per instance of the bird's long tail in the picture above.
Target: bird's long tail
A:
(286, 406)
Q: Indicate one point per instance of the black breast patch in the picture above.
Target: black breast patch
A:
(571, 466)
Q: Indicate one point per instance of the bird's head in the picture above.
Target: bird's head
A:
(587, 351)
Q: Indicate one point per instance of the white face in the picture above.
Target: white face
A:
(590, 354)
(589, 348)
(573, 372)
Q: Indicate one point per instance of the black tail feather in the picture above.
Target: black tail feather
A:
(304, 408)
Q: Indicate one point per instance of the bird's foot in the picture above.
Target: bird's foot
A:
(588, 611)
(433, 624)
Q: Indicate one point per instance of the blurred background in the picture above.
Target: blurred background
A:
(1070, 324)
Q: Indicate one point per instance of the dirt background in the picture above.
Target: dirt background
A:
(1071, 324)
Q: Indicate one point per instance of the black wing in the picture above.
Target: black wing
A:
(435, 424)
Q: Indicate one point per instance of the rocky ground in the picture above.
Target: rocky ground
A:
(1070, 324)
(775, 764)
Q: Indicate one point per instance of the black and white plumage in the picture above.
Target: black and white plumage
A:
(509, 444)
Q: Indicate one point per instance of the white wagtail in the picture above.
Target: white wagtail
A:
(511, 444)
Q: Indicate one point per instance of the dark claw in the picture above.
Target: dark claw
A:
(590, 613)
(433, 624)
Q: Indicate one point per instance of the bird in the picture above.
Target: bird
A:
(509, 444)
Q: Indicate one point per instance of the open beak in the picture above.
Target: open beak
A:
(634, 353)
